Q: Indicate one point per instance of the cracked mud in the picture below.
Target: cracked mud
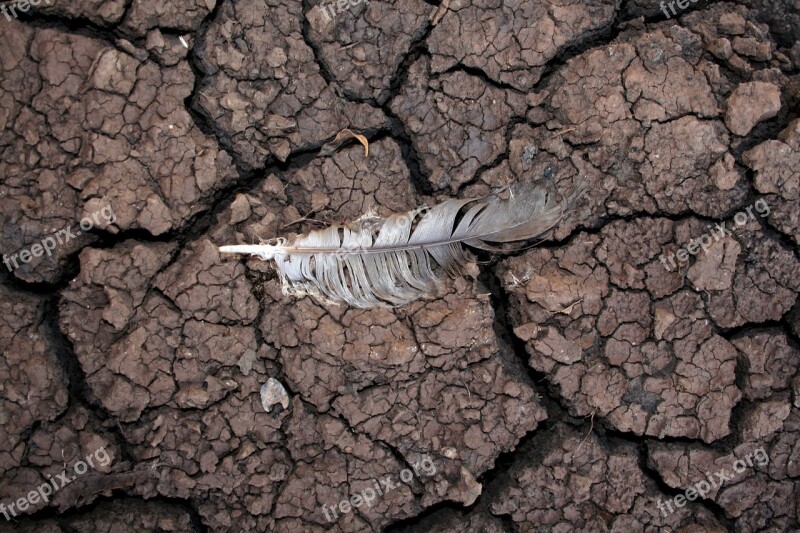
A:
(592, 383)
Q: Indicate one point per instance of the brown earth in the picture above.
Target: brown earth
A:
(575, 386)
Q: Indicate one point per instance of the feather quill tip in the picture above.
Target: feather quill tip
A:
(263, 251)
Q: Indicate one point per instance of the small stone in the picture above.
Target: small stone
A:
(721, 48)
(527, 331)
(246, 361)
(272, 392)
(751, 47)
(724, 173)
(155, 217)
(731, 24)
(472, 488)
(240, 209)
(449, 452)
(528, 155)
(281, 148)
(749, 104)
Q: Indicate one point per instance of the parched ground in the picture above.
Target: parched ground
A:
(592, 383)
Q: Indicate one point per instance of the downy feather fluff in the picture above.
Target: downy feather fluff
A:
(391, 261)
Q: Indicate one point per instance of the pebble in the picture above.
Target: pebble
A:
(272, 392)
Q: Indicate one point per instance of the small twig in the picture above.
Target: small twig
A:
(437, 15)
(469, 394)
(351, 45)
(562, 132)
(591, 427)
(304, 218)
(341, 137)
(568, 309)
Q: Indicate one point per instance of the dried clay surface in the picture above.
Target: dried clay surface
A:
(639, 370)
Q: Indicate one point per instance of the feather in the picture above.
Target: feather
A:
(391, 261)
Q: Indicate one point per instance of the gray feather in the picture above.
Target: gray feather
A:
(387, 262)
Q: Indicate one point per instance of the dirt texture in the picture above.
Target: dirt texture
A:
(639, 370)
